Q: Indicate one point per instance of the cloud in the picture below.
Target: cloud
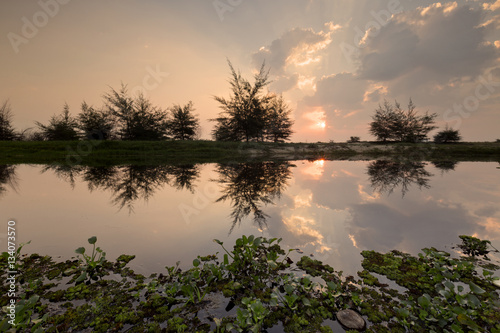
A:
(444, 41)
(297, 47)
(343, 91)
(492, 6)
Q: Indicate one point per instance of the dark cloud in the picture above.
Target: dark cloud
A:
(344, 91)
(445, 42)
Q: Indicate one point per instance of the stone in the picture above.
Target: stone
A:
(351, 319)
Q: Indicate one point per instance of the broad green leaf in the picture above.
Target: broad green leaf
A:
(92, 240)
(218, 241)
(476, 289)
(424, 301)
(196, 263)
(80, 250)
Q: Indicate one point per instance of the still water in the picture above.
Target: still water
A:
(331, 210)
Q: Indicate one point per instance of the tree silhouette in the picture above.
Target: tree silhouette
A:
(7, 132)
(250, 185)
(128, 183)
(95, 124)
(447, 135)
(393, 123)
(249, 114)
(137, 118)
(8, 178)
(60, 127)
(183, 124)
(385, 176)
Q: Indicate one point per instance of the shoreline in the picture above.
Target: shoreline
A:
(194, 152)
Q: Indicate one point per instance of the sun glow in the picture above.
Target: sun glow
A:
(317, 118)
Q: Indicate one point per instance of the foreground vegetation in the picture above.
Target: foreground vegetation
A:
(254, 287)
(95, 152)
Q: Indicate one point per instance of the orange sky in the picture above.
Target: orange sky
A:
(334, 61)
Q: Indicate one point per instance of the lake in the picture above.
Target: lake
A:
(331, 210)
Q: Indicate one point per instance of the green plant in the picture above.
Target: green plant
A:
(91, 267)
(24, 316)
(473, 246)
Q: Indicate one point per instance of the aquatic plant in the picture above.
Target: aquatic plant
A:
(255, 287)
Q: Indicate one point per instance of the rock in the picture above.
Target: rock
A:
(350, 319)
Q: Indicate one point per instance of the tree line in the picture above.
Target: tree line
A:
(122, 117)
(394, 123)
(248, 114)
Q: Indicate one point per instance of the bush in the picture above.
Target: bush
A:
(448, 135)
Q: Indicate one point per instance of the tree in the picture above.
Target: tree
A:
(447, 135)
(394, 123)
(183, 124)
(278, 123)
(137, 118)
(95, 124)
(60, 127)
(244, 113)
(7, 132)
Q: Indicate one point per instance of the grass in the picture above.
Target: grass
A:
(202, 151)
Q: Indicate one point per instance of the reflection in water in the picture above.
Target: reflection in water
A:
(248, 186)
(445, 166)
(8, 178)
(129, 183)
(385, 176)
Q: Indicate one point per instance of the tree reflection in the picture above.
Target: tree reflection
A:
(445, 166)
(129, 183)
(8, 178)
(251, 185)
(385, 176)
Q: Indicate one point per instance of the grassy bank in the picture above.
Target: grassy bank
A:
(182, 152)
(253, 287)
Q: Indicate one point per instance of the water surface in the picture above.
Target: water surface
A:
(331, 210)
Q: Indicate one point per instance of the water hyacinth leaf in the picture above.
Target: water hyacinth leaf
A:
(465, 320)
(196, 263)
(80, 250)
(472, 299)
(476, 289)
(449, 285)
(92, 240)
(218, 242)
(424, 301)
(81, 278)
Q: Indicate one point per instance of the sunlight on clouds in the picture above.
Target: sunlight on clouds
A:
(315, 169)
(492, 6)
(317, 117)
(303, 199)
(365, 196)
(307, 83)
(304, 227)
(333, 27)
(492, 226)
(353, 240)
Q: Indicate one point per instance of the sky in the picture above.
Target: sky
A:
(334, 61)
